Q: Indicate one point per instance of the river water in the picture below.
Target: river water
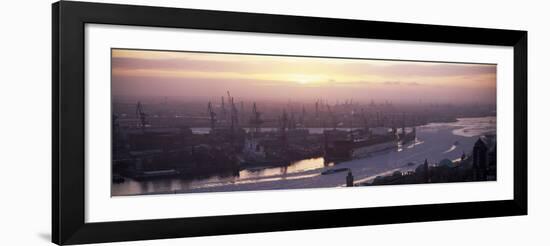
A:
(435, 142)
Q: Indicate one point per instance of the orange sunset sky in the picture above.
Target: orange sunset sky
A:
(142, 73)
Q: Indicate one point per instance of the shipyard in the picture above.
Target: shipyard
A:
(167, 138)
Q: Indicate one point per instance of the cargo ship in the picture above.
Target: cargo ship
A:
(357, 146)
(407, 137)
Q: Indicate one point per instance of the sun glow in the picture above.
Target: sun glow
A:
(305, 79)
(178, 73)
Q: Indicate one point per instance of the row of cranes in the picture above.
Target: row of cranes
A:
(288, 120)
(229, 116)
(232, 118)
(255, 122)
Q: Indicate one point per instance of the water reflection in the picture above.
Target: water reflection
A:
(298, 166)
(252, 175)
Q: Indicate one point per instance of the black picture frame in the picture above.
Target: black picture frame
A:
(68, 122)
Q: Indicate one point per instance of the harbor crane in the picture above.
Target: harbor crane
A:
(284, 127)
(332, 117)
(142, 116)
(303, 117)
(255, 120)
(223, 112)
(212, 116)
(234, 111)
(317, 109)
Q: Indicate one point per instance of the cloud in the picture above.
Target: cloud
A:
(392, 83)
(417, 69)
(396, 83)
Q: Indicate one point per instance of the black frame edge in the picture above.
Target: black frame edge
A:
(68, 224)
(239, 224)
(102, 13)
(69, 96)
(520, 123)
(55, 123)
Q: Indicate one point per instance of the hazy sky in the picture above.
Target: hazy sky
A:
(206, 75)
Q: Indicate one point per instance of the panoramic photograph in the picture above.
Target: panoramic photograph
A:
(194, 122)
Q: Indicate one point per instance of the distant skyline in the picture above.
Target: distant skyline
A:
(209, 75)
